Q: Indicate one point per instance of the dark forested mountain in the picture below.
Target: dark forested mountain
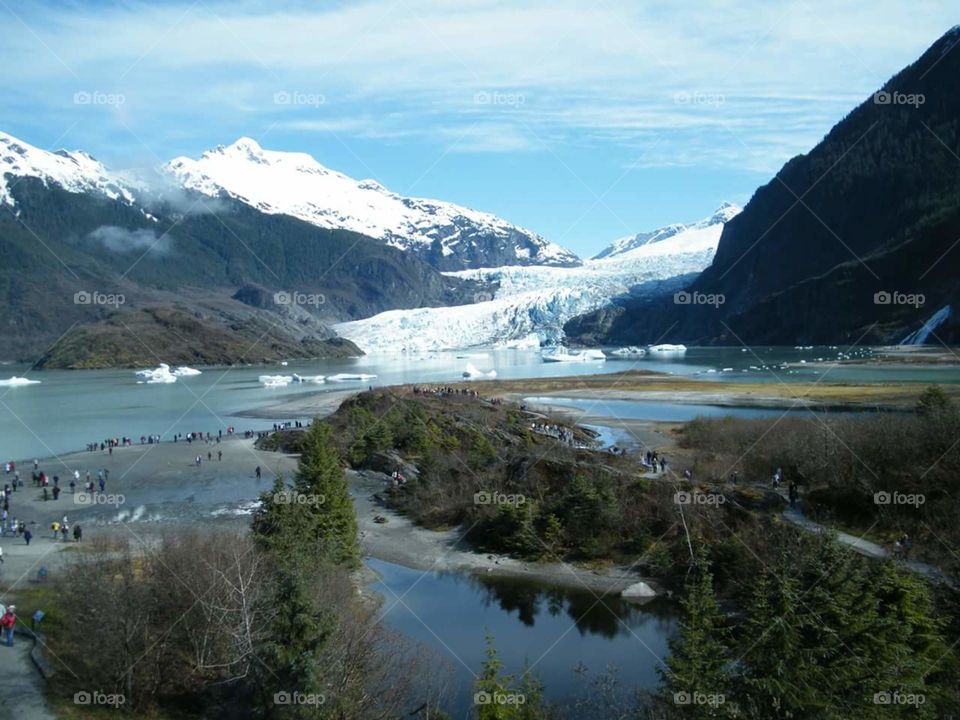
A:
(855, 241)
(77, 261)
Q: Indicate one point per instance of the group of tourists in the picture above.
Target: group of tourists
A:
(446, 391)
(652, 459)
(559, 432)
(61, 530)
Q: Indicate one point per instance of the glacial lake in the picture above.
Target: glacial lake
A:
(70, 408)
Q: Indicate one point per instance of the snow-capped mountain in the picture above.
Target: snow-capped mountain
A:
(540, 300)
(76, 171)
(448, 236)
(633, 242)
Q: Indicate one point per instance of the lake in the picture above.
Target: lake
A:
(70, 408)
(566, 637)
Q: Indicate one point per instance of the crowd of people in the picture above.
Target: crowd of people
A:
(559, 432)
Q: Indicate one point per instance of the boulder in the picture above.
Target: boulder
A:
(638, 591)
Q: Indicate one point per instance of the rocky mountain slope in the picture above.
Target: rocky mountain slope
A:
(80, 247)
(855, 241)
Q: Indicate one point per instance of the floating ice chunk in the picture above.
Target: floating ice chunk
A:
(629, 351)
(308, 378)
(473, 372)
(275, 380)
(560, 354)
(18, 381)
(158, 375)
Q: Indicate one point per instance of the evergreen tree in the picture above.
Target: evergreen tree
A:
(323, 500)
(496, 698)
(933, 401)
(696, 678)
(779, 677)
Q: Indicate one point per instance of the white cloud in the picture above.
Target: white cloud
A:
(389, 69)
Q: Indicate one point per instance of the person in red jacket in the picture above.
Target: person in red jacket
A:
(8, 622)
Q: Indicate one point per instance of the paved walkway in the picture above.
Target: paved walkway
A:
(21, 687)
(865, 547)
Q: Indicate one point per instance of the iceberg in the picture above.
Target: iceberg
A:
(630, 351)
(309, 378)
(561, 355)
(668, 348)
(275, 380)
(350, 377)
(184, 371)
(18, 381)
(158, 375)
(473, 372)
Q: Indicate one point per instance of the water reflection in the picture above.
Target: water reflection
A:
(569, 636)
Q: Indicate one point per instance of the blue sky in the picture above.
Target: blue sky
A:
(584, 121)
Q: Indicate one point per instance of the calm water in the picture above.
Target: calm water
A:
(70, 408)
(663, 412)
(567, 637)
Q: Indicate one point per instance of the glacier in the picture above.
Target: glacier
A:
(532, 303)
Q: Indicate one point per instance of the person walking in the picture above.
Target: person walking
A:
(8, 622)
(27, 535)
(77, 533)
(258, 472)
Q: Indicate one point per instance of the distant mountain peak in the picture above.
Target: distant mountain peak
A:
(449, 236)
(721, 215)
(75, 171)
